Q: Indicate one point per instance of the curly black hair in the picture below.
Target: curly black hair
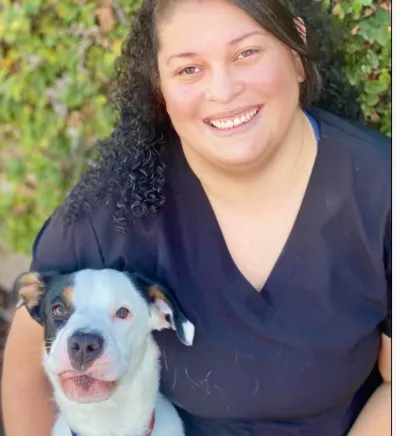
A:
(130, 169)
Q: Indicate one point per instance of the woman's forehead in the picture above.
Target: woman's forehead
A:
(194, 24)
(199, 20)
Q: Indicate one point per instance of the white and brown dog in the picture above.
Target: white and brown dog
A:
(99, 354)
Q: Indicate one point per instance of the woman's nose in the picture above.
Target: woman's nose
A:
(223, 86)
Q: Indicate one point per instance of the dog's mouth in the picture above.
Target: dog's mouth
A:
(83, 388)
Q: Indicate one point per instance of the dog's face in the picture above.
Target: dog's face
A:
(96, 325)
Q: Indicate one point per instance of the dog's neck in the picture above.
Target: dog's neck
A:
(148, 431)
(128, 411)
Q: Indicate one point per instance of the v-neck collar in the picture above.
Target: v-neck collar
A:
(198, 206)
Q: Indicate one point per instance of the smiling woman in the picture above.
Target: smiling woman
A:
(267, 217)
(234, 69)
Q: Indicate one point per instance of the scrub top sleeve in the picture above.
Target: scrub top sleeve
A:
(66, 248)
(387, 322)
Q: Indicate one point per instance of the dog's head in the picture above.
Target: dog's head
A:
(96, 325)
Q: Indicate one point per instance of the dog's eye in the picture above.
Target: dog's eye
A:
(122, 313)
(59, 310)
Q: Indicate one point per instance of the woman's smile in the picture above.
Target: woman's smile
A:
(240, 121)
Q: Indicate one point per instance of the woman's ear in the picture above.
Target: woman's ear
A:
(301, 28)
(302, 31)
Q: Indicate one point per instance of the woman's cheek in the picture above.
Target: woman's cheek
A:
(274, 76)
(182, 101)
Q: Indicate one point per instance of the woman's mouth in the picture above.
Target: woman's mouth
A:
(232, 122)
(235, 121)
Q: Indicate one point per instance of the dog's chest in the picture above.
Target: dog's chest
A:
(147, 433)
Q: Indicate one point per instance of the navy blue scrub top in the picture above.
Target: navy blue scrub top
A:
(297, 358)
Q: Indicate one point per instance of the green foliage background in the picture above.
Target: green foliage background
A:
(56, 60)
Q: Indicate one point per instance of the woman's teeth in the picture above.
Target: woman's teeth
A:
(234, 122)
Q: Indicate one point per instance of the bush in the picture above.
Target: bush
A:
(368, 56)
(56, 61)
(55, 64)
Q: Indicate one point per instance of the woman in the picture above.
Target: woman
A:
(270, 224)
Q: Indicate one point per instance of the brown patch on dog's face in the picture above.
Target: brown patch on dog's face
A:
(164, 310)
(163, 305)
(155, 294)
(68, 294)
(30, 289)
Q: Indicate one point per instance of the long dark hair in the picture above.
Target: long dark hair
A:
(129, 171)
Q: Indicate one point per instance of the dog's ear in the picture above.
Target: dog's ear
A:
(30, 287)
(165, 312)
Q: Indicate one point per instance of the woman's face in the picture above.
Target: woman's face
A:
(231, 88)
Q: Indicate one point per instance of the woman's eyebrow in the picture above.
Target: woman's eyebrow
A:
(232, 42)
(247, 35)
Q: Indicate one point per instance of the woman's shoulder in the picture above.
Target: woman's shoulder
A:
(92, 240)
(356, 139)
(65, 247)
(99, 236)
(358, 165)
(361, 152)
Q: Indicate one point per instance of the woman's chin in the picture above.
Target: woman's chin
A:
(244, 150)
(239, 156)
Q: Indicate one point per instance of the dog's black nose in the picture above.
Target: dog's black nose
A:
(84, 349)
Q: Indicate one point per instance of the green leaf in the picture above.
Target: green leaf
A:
(382, 36)
(375, 87)
(373, 59)
(338, 11)
(372, 99)
(382, 18)
(385, 79)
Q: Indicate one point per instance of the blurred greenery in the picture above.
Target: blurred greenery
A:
(368, 56)
(56, 61)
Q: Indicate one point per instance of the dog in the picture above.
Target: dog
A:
(98, 351)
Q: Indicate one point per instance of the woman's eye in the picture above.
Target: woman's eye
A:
(59, 310)
(122, 313)
(187, 71)
(247, 53)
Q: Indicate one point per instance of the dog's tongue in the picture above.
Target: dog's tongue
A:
(83, 388)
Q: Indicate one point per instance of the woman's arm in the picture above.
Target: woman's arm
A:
(27, 403)
(375, 418)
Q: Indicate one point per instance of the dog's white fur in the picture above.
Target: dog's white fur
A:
(130, 356)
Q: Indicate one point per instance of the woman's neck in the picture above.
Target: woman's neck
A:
(271, 177)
